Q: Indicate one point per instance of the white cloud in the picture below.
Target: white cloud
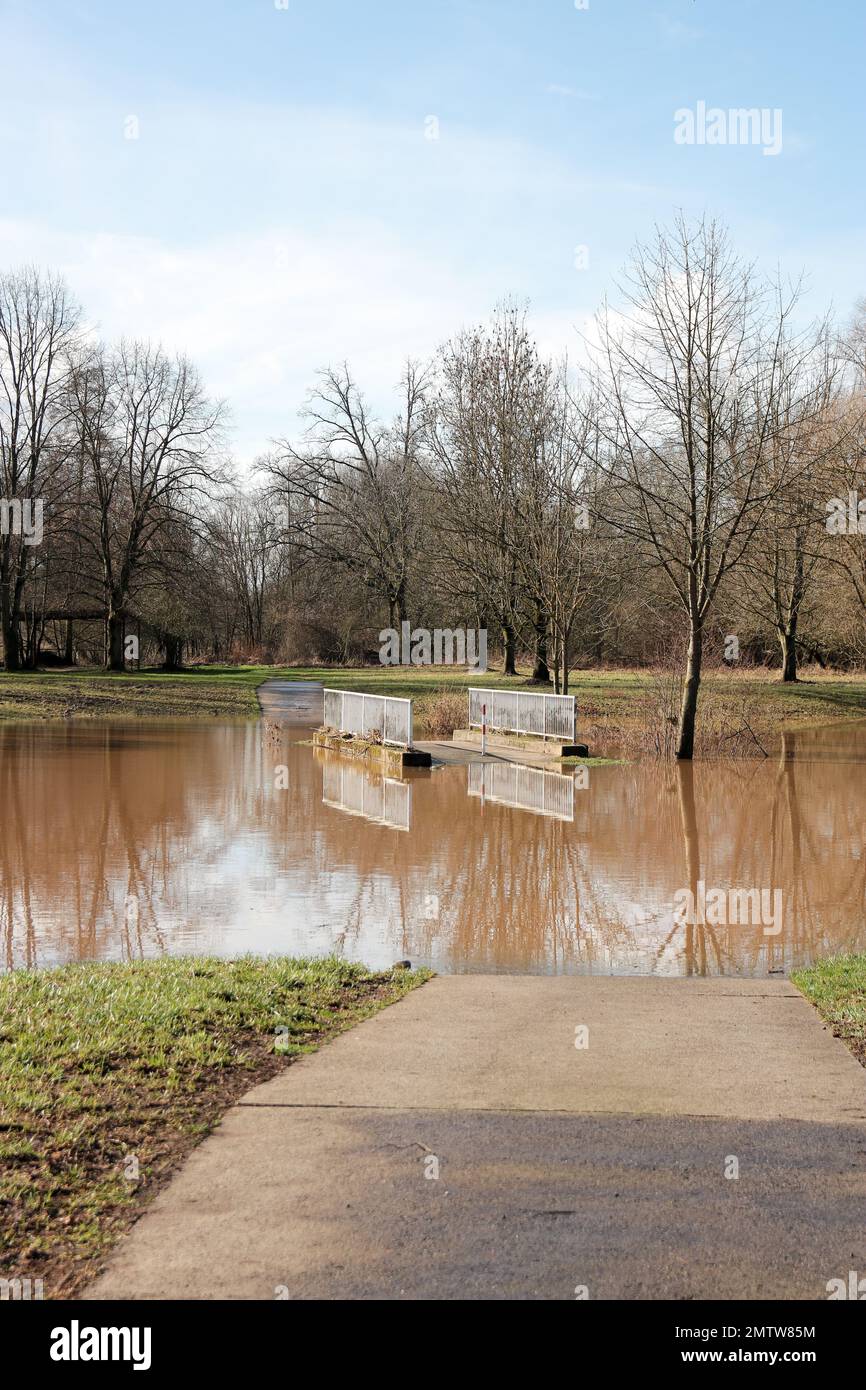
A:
(269, 242)
(260, 314)
(676, 33)
(562, 89)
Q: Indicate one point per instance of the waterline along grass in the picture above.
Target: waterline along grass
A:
(837, 988)
(111, 1073)
(741, 712)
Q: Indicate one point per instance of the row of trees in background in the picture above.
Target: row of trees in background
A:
(119, 449)
(673, 491)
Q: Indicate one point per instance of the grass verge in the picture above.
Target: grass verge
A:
(837, 988)
(111, 1073)
(218, 692)
(739, 712)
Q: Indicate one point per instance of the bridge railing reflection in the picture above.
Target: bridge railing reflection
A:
(527, 788)
(384, 800)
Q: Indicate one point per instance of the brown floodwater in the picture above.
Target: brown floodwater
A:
(122, 840)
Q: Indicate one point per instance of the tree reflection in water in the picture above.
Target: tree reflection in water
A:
(124, 840)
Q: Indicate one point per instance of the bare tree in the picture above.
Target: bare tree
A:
(789, 553)
(245, 539)
(351, 490)
(148, 434)
(845, 495)
(689, 378)
(487, 428)
(559, 557)
(683, 483)
(39, 326)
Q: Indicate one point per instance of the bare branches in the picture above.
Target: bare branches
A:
(351, 489)
(147, 438)
(39, 329)
(684, 474)
(700, 384)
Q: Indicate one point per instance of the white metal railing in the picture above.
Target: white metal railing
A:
(527, 788)
(523, 712)
(381, 799)
(369, 716)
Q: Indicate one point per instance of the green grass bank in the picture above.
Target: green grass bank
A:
(740, 712)
(837, 988)
(111, 1073)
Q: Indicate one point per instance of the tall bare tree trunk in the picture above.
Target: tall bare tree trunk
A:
(510, 656)
(787, 630)
(788, 643)
(689, 707)
(541, 670)
(173, 653)
(11, 646)
(8, 609)
(116, 654)
(397, 607)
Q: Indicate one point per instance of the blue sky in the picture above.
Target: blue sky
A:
(282, 206)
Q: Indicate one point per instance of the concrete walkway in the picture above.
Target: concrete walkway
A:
(558, 1167)
(451, 751)
(292, 702)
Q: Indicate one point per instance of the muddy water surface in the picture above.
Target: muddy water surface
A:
(128, 840)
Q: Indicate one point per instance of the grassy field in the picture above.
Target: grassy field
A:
(621, 707)
(837, 988)
(111, 1073)
(631, 710)
(205, 692)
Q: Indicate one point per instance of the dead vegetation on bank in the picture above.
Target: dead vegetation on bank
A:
(629, 711)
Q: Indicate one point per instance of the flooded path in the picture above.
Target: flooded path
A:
(124, 840)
